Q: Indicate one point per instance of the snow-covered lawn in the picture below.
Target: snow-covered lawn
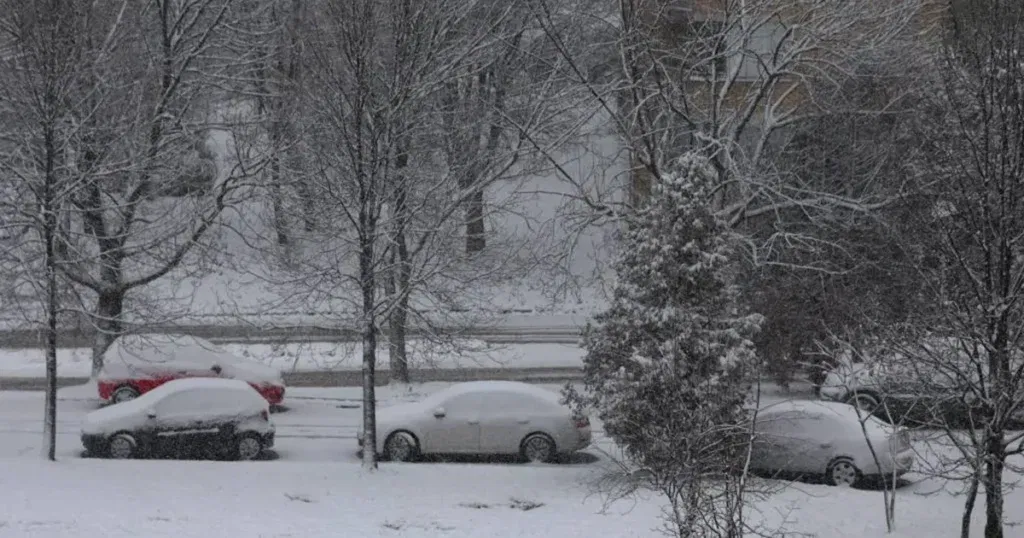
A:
(315, 488)
(328, 356)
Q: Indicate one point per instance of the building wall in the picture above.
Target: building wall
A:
(673, 24)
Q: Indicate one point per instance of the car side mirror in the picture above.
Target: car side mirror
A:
(439, 412)
(151, 413)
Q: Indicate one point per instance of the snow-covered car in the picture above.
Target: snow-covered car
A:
(482, 417)
(937, 389)
(827, 438)
(138, 363)
(856, 383)
(225, 417)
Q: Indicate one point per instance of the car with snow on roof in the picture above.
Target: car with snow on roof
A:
(943, 385)
(482, 417)
(223, 417)
(830, 439)
(137, 363)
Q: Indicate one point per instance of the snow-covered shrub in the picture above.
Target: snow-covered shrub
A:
(666, 363)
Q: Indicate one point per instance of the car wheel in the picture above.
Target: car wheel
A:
(842, 472)
(538, 448)
(121, 446)
(865, 402)
(401, 446)
(123, 394)
(248, 447)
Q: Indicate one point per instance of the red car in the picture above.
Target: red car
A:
(138, 363)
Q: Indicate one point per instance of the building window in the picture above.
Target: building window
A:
(696, 45)
(706, 49)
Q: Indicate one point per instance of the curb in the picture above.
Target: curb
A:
(354, 378)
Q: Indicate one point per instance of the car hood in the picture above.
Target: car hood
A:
(391, 415)
(114, 416)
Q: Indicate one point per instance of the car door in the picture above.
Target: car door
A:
(507, 417)
(772, 447)
(792, 442)
(455, 426)
(816, 438)
(188, 420)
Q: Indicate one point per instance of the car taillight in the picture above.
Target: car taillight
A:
(582, 422)
(265, 414)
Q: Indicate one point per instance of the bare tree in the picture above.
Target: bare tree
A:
(968, 343)
(46, 56)
(370, 102)
(268, 49)
(730, 78)
(861, 144)
(388, 196)
(150, 190)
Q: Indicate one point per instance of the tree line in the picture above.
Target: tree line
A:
(863, 159)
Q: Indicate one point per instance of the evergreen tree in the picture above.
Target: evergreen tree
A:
(666, 364)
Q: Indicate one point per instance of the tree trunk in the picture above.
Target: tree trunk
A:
(476, 239)
(308, 205)
(397, 344)
(995, 462)
(52, 305)
(369, 330)
(280, 217)
(972, 496)
(401, 274)
(109, 325)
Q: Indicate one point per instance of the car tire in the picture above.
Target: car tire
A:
(124, 393)
(843, 472)
(248, 447)
(538, 448)
(401, 447)
(122, 446)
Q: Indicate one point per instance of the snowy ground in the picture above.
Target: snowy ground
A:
(313, 487)
(327, 356)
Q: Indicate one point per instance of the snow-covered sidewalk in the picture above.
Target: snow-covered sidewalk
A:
(316, 356)
(316, 488)
(87, 498)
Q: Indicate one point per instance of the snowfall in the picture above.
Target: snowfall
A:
(312, 485)
(327, 356)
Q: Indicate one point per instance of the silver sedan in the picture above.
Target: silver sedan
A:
(482, 417)
(830, 439)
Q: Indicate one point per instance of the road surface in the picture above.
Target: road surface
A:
(252, 334)
(353, 378)
(312, 427)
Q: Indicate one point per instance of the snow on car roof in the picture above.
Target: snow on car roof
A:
(161, 348)
(151, 354)
(135, 406)
(823, 418)
(518, 387)
(817, 407)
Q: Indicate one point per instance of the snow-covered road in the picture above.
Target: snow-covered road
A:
(314, 487)
(317, 424)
